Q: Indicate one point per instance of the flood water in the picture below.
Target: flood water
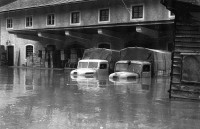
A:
(51, 99)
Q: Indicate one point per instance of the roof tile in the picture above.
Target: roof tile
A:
(24, 4)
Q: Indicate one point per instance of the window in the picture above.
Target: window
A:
(137, 12)
(104, 15)
(50, 19)
(83, 64)
(29, 50)
(103, 66)
(29, 21)
(93, 65)
(9, 23)
(75, 17)
(146, 68)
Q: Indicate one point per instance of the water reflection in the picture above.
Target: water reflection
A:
(39, 98)
(139, 85)
(92, 83)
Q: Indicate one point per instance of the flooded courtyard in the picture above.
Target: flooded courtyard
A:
(52, 99)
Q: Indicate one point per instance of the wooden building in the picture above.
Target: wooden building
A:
(54, 33)
(185, 79)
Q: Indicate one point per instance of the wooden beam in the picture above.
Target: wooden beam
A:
(51, 36)
(29, 37)
(79, 36)
(146, 31)
(109, 33)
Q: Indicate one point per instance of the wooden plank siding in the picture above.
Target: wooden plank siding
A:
(185, 74)
(186, 43)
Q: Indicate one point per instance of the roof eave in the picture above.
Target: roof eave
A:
(47, 5)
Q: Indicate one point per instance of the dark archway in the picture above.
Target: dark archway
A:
(73, 53)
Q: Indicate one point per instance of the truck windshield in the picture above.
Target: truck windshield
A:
(82, 64)
(93, 65)
(125, 67)
(87, 64)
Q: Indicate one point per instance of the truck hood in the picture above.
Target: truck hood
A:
(83, 72)
(124, 75)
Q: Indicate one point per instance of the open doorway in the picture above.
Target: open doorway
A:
(10, 53)
(73, 54)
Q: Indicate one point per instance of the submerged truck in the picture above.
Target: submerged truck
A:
(138, 62)
(96, 62)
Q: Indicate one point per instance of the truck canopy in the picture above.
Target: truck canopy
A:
(159, 59)
(102, 53)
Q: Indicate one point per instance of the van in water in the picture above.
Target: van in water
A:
(96, 62)
(138, 62)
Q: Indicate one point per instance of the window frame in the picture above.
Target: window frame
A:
(146, 65)
(31, 21)
(54, 20)
(143, 11)
(7, 27)
(104, 64)
(26, 49)
(79, 18)
(99, 15)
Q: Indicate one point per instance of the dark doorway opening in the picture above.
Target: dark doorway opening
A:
(49, 56)
(10, 50)
(73, 54)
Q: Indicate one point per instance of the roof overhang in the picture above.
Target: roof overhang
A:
(5, 2)
(9, 6)
(94, 27)
(180, 4)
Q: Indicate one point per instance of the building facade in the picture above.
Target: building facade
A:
(54, 34)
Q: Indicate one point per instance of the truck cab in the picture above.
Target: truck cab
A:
(91, 68)
(131, 69)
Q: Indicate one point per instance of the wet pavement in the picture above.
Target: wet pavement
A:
(51, 99)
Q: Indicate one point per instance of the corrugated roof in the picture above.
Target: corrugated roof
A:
(24, 4)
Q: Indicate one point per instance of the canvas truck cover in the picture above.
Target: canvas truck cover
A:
(160, 60)
(112, 56)
(101, 53)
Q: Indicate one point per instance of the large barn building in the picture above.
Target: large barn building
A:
(54, 33)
